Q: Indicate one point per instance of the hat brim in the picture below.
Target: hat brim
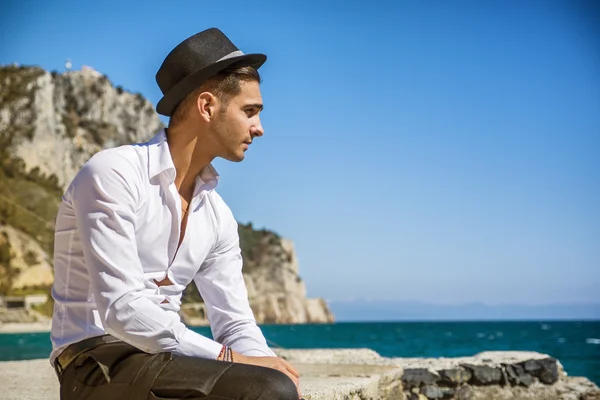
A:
(169, 101)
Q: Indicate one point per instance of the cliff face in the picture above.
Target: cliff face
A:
(31, 264)
(57, 121)
(50, 125)
(276, 292)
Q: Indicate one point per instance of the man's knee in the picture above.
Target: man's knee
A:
(277, 385)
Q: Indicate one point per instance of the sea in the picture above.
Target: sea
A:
(575, 343)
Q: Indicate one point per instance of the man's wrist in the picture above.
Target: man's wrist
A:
(227, 354)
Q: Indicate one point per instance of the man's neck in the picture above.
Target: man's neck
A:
(189, 157)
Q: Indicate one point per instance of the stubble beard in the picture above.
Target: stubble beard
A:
(232, 151)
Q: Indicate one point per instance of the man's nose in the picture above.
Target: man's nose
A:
(257, 130)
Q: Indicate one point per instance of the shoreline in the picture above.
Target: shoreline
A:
(25, 327)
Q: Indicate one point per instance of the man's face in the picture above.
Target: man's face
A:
(237, 125)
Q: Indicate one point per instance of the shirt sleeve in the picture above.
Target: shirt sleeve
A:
(221, 284)
(105, 195)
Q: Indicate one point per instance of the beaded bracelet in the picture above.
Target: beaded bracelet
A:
(221, 353)
(227, 354)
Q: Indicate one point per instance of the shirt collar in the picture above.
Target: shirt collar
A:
(161, 162)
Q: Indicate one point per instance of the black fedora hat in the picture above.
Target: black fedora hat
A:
(195, 60)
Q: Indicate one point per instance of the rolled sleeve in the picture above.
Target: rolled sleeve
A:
(105, 196)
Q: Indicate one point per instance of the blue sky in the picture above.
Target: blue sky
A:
(441, 151)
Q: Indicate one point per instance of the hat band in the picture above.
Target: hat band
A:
(236, 53)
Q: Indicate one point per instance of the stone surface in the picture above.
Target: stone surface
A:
(432, 392)
(318, 381)
(334, 356)
(70, 116)
(333, 378)
(518, 376)
(277, 294)
(483, 374)
(464, 393)
(489, 358)
(565, 389)
(546, 370)
(455, 376)
(448, 393)
(419, 376)
(496, 376)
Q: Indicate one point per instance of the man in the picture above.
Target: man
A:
(138, 223)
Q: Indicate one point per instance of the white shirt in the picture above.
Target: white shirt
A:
(117, 232)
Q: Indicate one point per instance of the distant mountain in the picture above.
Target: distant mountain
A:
(370, 310)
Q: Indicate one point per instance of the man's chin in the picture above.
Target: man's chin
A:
(235, 157)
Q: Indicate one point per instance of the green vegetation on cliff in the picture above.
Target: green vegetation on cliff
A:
(255, 244)
(28, 200)
(7, 273)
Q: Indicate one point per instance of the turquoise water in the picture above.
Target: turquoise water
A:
(575, 344)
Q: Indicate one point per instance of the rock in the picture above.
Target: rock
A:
(526, 380)
(277, 294)
(448, 393)
(483, 374)
(546, 370)
(455, 376)
(58, 121)
(416, 396)
(577, 388)
(419, 376)
(432, 392)
(491, 358)
(464, 393)
(317, 311)
(505, 381)
(517, 375)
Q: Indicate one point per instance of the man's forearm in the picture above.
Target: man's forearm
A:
(246, 338)
(145, 325)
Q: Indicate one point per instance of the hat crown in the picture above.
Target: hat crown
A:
(193, 54)
(195, 60)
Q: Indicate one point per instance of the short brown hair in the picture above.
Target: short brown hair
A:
(224, 85)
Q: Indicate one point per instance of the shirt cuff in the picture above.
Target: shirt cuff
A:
(195, 345)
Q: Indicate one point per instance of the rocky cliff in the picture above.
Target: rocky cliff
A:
(57, 121)
(276, 292)
(50, 124)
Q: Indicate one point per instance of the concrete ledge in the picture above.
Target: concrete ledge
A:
(35, 380)
(360, 374)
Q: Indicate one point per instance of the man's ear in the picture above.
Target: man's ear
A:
(206, 104)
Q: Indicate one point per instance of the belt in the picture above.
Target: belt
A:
(62, 361)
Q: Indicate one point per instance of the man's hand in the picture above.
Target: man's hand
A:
(271, 362)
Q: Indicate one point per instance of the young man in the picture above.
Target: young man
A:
(139, 223)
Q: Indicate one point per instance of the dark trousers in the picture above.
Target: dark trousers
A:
(114, 371)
